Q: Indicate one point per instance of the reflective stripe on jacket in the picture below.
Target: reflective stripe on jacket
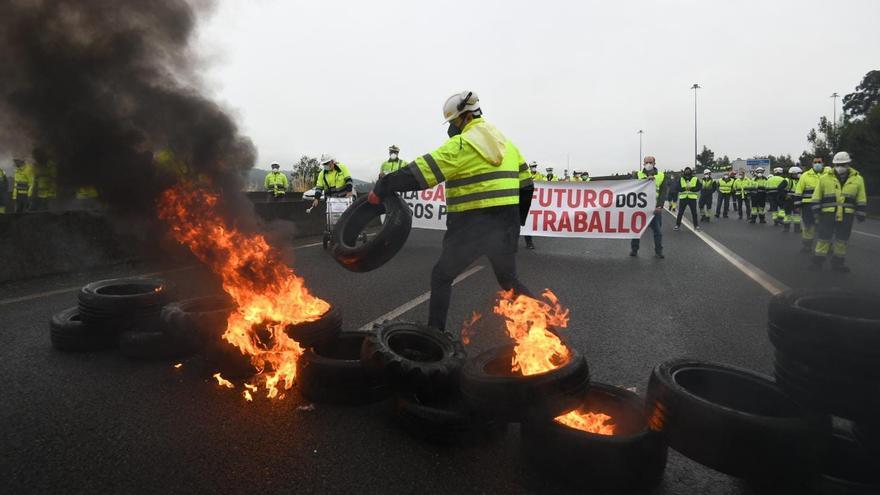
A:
(830, 196)
(688, 188)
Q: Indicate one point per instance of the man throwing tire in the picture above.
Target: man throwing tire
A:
(488, 195)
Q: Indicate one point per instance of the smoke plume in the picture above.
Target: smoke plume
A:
(109, 90)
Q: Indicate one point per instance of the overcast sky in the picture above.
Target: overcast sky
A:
(561, 79)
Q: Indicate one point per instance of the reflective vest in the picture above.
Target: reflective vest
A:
(551, 178)
(392, 166)
(773, 183)
(276, 183)
(803, 191)
(760, 184)
(725, 185)
(481, 168)
(707, 185)
(830, 196)
(334, 183)
(659, 179)
(537, 176)
(24, 181)
(688, 189)
(87, 192)
(742, 186)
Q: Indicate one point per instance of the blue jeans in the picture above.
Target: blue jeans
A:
(655, 225)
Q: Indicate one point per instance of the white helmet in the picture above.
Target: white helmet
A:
(549, 169)
(760, 170)
(794, 170)
(778, 170)
(841, 157)
(459, 103)
(327, 158)
(707, 172)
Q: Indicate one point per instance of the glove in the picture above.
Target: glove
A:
(373, 198)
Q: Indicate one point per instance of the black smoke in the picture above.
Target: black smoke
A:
(103, 86)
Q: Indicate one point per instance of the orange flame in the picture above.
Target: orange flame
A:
(589, 422)
(269, 295)
(467, 327)
(528, 321)
(223, 381)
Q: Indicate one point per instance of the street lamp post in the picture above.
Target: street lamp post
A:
(640, 149)
(834, 98)
(695, 87)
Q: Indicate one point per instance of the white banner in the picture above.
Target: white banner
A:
(598, 209)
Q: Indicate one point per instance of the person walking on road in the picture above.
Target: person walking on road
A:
(838, 199)
(804, 201)
(276, 183)
(707, 191)
(788, 201)
(650, 172)
(536, 176)
(741, 191)
(688, 190)
(725, 193)
(393, 163)
(758, 189)
(488, 195)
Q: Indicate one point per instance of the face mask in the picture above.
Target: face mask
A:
(393, 156)
(818, 167)
(326, 166)
(453, 130)
(649, 167)
(841, 169)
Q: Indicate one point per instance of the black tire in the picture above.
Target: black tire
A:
(735, 421)
(828, 360)
(631, 460)
(849, 469)
(333, 373)
(835, 321)
(413, 357)
(67, 332)
(121, 304)
(490, 387)
(228, 360)
(198, 320)
(319, 332)
(383, 245)
(152, 346)
(445, 419)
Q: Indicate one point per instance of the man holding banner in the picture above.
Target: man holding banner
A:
(488, 194)
(650, 172)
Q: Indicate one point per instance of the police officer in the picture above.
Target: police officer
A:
(488, 195)
(688, 191)
(838, 198)
(707, 190)
(725, 193)
(393, 163)
(649, 172)
(275, 183)
(334, 181)
(804, 201)
(758, 191)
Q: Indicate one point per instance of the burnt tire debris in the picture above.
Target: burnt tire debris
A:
(631, 460)
(334, 373)
(67, 332)
(849, 468)
(380, 247)
(318, 332)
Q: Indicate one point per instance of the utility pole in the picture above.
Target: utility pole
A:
(695, 87)
(640, 149)
(834, 98)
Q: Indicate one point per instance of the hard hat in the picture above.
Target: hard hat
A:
(841, 157)
(778, 170)
(394, 148)
(707, 172)
(533, 165)
(327, 158)
(549, 169)
(275, 165)
(794, 170)
(759, 169)
(459, 103)
(649, 158)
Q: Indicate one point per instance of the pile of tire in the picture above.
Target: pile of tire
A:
(119, 312)
(827, 346)
(379, 248)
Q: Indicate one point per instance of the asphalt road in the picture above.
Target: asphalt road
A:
(99, 423)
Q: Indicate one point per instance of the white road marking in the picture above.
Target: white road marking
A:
(763, 278)
(39, 295)
(394, 313)
(866, 233)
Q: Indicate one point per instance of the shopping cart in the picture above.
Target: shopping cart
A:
(335, 208)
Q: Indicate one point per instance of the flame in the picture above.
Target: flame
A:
(247, 396)
(587, 421)
(223, 381)
(269, 295)
(178, 365)
(528, 321)
(467, 327)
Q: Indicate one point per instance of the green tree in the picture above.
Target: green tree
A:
(723, 163)
(706, 159)
(805, 161)
(867, 94)
(821, 139)
(861, 139)
(307, 167)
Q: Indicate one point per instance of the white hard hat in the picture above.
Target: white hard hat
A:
(841, 157)
(327, 158)
(795, 170)
(459, 103)
(707, 172)
(759, 169)
(778, 170)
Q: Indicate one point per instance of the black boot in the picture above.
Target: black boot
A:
(752, 219)
(838, 266)
(797, 228)
(763, 219)
(785, 227)
(807, 247)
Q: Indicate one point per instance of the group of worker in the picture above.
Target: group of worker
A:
(34, 185)
(576, 175)
(820, 203)
(333, 180)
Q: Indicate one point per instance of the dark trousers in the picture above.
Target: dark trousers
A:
(705, 204)
(743, 206)
(759, 201)
(687, 203)
(495, 234)
(774, 203)
(21, 204)
(529, 241)
(656, 224)
(723, 199)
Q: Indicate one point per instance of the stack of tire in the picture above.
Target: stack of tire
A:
(827, 347)
(122, 312)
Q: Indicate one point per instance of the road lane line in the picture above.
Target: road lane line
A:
(867, 234)
(763, 278)
(394, 313)
(308, 245)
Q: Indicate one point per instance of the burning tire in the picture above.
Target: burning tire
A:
(67, 332)
(491, 388)
(633, 458)
(413, 357)
(121, 304)
(734, 421)
(152, 346)
(228, 360)
(444, 419)
(198, 320)
(383, 245)
(333, 373)
(849, 469)
(319, 332)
